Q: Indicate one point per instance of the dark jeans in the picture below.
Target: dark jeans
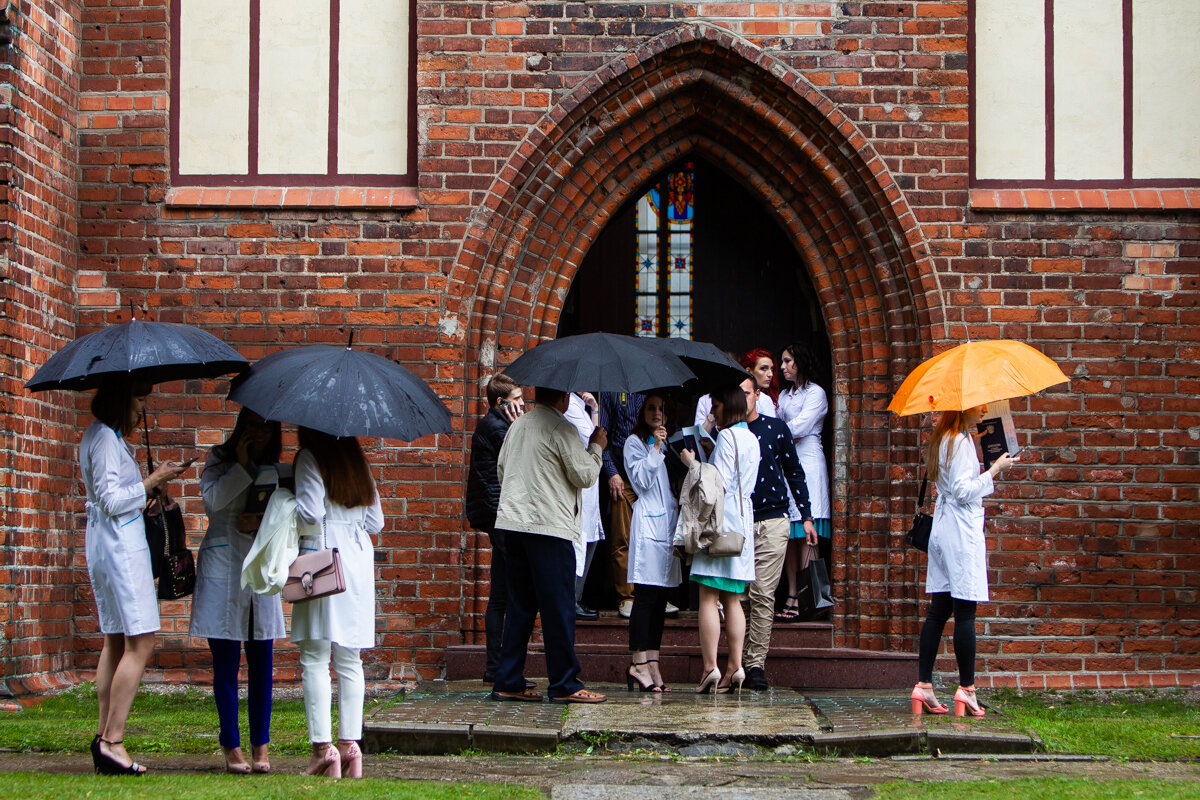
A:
(541, 579)
(260, 659)
(648, 617)
(941, 608)
(497, 604)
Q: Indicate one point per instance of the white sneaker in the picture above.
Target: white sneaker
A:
(721, 610)
(625, 608)
(672, 609)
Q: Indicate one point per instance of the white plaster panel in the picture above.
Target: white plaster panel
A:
(1166, 89)
(293, 97)
(214, 87)
(1089, 101)
(1010, 89)
(373, 82)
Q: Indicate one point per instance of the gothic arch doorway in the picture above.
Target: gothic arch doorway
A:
(701, 92)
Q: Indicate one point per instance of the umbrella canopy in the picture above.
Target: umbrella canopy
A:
(973, 374)
(342, 392)
(146, 351)
(605, 362)
(712, 366)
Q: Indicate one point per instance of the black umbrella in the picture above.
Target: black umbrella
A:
(604, 362)
(154, 352)
(712, 365)
(342, 392)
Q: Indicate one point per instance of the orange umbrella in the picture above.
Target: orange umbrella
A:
(973, 374)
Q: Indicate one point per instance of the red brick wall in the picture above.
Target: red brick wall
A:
(849, 121)
(39, 95)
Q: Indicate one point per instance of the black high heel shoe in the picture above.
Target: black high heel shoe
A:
(630, 678)
(96, 753)
(110, 766)
(662, 687)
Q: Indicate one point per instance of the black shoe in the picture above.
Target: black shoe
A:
(756, 680)
(583, 612)
(489, 677)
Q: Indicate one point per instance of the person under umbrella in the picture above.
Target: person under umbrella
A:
(959, 383)
(118, 560)
(335, 394)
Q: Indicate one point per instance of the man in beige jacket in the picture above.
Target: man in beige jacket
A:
(542, 469)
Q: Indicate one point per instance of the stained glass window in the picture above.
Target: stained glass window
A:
(664, 257)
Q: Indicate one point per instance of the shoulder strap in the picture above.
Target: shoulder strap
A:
(921, 497)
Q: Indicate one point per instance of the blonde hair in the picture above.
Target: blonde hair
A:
(950, 424)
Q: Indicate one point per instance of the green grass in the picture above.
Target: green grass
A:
(1135, 726)
(190, 786)
(1040, 788)
(180, 722)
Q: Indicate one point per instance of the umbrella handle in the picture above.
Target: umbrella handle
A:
(146, 433)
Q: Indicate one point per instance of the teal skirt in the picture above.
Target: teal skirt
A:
(720, 584)
(824, 531)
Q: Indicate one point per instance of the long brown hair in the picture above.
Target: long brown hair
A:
(344, 468)
(951, 423)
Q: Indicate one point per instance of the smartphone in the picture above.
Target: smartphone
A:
(188, 463)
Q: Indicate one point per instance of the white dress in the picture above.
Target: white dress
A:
(804, 411)
(346, 619)
(592, 527)
(957, 550)
(764, 405)
(652, 560)
(118, 558)
(739, 510)
(221, 607)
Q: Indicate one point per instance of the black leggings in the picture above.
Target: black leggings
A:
(940, 610)
(647, 618)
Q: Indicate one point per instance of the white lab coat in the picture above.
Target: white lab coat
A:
(221, 607)
(348, 618)
(739, 510)
(118, 558)
(765, 406)
(804, 411)
(592, 528)
(957, 550)
(652, 560)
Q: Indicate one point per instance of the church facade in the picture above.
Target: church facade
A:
(453, 182)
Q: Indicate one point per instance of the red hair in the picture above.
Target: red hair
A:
(751, 357)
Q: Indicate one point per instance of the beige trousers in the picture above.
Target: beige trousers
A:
(770, 545)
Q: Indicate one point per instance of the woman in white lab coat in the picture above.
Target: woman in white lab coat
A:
(803, 406)
(653, 565)
(222, 611)
(336, 493)
(724, 580)
(118, 561)
(956, 579)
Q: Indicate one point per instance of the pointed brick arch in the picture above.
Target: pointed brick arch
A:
(700, 89)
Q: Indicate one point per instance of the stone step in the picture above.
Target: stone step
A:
(801, 668)
(681, 631)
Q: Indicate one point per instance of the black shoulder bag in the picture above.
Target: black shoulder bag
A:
(922, 524)
(170, 560)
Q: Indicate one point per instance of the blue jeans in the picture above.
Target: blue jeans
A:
(541, 579)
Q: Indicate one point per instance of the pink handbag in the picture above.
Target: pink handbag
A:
(315, 575)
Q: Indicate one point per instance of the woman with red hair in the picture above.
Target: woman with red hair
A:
(761, 366)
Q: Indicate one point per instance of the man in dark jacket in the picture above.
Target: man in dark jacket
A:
(506, 402)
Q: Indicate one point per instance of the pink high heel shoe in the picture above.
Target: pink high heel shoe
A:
(922, 705)
(351, 760)
(330, 764)
(965, 704)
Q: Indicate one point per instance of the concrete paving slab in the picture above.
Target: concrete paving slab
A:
(767, 717)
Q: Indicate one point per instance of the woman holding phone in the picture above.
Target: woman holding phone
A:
(230, 617)
(118, 561)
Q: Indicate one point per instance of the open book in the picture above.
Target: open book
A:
(998, 435)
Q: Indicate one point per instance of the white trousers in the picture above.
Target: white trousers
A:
(318, 689)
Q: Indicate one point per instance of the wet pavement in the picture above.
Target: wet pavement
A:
(452, 717)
